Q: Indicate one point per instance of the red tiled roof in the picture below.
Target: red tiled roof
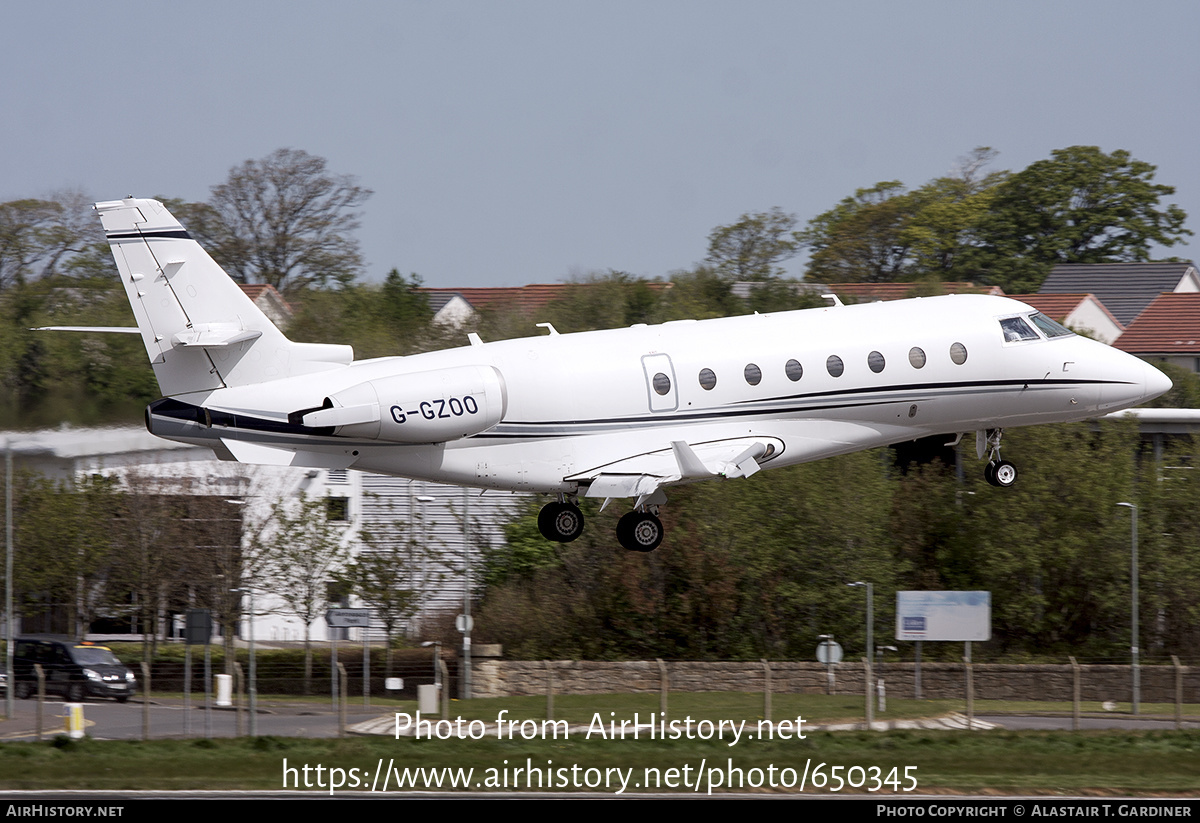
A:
(257, 290)
(1059, 306)
(522, 298)
(1169, 325)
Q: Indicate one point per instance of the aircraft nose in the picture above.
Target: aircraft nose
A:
(1156, 382)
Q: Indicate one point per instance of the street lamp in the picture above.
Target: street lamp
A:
(1133, 573)
(870, 644)
(424, 500)
(870, 616)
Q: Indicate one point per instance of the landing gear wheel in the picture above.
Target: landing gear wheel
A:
(560, 522)
(989, 474)
(1005, 474)
(639, 532)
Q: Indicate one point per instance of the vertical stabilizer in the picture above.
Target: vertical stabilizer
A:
(200, 330)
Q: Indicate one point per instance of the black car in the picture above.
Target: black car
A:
(74, 670)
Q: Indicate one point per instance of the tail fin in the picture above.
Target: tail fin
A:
(200, 330)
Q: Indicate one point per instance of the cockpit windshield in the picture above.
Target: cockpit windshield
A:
(1016, 329)
(1049, 327)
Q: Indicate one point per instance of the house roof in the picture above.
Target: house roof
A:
(1126, 289)
(1169, 325)
(1060, 306)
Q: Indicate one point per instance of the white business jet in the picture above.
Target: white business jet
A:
(623, 413)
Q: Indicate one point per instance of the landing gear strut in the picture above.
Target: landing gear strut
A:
(997, 472)
(639, 531)
(560, 521)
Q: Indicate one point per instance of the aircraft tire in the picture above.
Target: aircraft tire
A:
(639, 532)
(989, 473)
(1005, 474)
(560, 522)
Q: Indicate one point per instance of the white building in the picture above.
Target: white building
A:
(389, 508)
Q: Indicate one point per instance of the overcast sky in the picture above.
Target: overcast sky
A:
(529, 142)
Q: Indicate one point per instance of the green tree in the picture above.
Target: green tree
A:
(64, 558)
(382, 575)
(754, 247)
(862, 239)
(1079, 206)
(304, 553)
(40, 237)
(886, 233)
(285, 220)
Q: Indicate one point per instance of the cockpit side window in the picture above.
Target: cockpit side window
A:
(1049, 327)
(1016, 329)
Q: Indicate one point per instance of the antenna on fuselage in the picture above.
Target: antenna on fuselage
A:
(837, 301)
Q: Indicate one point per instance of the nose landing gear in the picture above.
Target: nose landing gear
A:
(997, 472)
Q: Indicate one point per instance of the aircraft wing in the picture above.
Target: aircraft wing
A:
(644, 474)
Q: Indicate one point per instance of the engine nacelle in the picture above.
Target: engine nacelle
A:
(422, 407)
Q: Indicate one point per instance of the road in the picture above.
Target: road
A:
(109, 720)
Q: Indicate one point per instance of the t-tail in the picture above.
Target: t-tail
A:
(200, 329)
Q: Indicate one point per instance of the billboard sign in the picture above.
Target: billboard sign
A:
(952, 616)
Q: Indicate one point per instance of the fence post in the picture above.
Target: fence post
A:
(1178, 692)
(867, 683)
(1075, 693)
(766, 690)
(145, 700)
(341, 698)
(239, 682)
(970, 693)
(663, 687)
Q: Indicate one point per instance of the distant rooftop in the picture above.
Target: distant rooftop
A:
(1169, 325)
(1126, 289)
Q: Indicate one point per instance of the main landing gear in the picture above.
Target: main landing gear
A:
(560, 521)
(638, 531)
(997, 472)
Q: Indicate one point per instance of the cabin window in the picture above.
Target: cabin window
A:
(875, 362)
(1015, 330)
(958, 353)
(708, 379)
(916, 357)
(753, 374)
(661, 383)
(1049, 327)
(834, 366)
(793, 370)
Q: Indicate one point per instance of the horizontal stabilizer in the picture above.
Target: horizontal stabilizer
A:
(214, 338)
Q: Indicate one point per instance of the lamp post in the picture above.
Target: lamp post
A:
(870, 616)
(870, 645)
(1133, 573)
(424, 500)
